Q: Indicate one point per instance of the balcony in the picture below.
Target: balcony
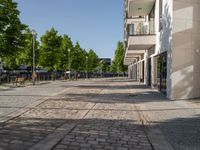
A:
(141, 35)
(139, 7)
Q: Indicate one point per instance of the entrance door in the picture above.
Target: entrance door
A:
(162, 73)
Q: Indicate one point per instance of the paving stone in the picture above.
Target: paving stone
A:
(103, 115)
(121, 148)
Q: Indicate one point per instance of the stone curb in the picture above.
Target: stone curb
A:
(52, 139)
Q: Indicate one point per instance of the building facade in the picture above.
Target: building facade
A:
(162, 41)
(106, 60)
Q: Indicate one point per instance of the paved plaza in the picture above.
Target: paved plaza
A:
(110, 114)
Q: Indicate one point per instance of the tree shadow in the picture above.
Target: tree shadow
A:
(8, 89)
(23, 133)
(137, 97)
(114, 87)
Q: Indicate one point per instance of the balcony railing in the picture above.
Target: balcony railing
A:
(141, 28)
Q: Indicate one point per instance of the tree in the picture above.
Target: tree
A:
(117, 64)
(50, 49)
(92, 60)
(66, 45)
(11, 36)
(84, 60)
(26, 54)
(103, 67)
(77, 58)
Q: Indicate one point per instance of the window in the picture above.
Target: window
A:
(131, 29)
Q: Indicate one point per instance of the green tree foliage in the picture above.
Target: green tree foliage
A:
(26, 54)
(103, 67)
(84, 59)
(50, 49)
(16, 46)
(93, 61)
(117, 64)
(66, 45)
(78, 58)
(11, 36)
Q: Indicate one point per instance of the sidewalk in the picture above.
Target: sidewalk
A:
(179, 121)
(15, 101)
(112, 114)
(95, 114)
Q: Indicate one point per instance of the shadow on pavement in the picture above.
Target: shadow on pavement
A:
(138, 97)
(182, 133)
(23, 133)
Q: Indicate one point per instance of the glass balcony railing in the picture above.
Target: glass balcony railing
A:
(141, 28)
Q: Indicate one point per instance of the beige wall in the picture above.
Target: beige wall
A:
(186, 45)
(165, 37)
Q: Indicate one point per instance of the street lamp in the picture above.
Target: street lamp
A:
(118, 70)
(69, 63)
(1, 65)
(33, 71)
(86, 67)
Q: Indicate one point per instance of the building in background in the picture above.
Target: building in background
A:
(106, 60)
(162, 40)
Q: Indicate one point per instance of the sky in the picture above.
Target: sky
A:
(95, 24)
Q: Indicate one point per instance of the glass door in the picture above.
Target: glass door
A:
(162, 73)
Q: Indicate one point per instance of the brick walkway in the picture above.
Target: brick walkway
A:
(95, 114)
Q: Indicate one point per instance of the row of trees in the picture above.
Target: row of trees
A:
(52, 51)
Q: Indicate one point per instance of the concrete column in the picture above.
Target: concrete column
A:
(139, 68)
(132, 71)
(146, 67)
(135, 71)
(129, 71)
(153, 71)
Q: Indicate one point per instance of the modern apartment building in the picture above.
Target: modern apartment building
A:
(162, 41)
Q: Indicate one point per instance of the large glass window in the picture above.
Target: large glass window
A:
(162, 72)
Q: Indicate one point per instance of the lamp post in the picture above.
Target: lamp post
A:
(69, 63)
(1, 69)
(33, 71)
(1, 65)
(118, 70)
(86, 67)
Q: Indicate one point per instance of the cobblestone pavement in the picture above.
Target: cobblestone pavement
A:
(93, 114)
(96, 114)
(13, 100)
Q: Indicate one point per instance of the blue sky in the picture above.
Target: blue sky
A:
(96, 24)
